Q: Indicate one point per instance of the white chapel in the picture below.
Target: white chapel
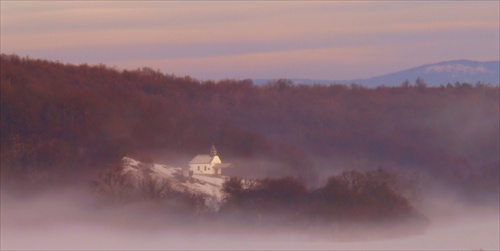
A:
(207, 164)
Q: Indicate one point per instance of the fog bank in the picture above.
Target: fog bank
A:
(70, 219)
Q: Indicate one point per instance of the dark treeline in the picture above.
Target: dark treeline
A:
(58, 118)
(349, 196)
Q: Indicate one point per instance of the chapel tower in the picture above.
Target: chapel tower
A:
(213, 151)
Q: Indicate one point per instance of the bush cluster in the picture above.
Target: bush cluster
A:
(350, 196)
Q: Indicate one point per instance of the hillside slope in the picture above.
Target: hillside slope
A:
(205, 186)
(68, 120)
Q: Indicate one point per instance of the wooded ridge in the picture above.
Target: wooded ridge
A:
(63, 118)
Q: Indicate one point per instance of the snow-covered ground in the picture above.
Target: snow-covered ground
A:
(207, 186)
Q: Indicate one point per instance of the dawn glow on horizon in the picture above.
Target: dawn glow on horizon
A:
(215, 40)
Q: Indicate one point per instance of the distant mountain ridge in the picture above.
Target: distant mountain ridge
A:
(434, 75)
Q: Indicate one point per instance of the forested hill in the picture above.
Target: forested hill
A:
(62, 118)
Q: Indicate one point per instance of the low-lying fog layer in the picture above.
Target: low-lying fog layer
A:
(69, 220)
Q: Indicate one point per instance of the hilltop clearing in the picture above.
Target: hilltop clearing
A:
(134, 179)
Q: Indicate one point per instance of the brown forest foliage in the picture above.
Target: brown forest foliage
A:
(62, 118)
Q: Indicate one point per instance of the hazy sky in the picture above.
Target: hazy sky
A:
(246, 39)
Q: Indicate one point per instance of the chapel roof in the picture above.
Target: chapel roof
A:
(201, 159)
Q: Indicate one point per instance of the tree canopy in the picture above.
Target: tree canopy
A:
(56, 117)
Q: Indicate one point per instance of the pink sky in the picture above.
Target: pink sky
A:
(214, 40)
